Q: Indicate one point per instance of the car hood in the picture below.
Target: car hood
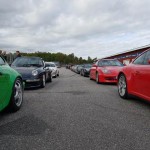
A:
(53, 68)
(26, 72)
(87, 69)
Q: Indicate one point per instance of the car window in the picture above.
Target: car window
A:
(2, 62)
(100, 63)
(87, 65)
(147, 58)
(110, 63)
(40, 63)
(97, 63)
(27, 62)
(140, 60)
(50, 65)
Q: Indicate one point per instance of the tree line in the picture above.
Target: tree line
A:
(60, 57)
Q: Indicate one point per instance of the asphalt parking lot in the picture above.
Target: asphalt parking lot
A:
(75, 113)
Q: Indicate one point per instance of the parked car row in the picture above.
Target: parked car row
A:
(83, 70)
(25, 72)
(133, 79)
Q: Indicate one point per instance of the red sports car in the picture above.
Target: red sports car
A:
(106, 70)
(134, 79)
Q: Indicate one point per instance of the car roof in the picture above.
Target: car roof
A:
(108, 59)
(50, 62)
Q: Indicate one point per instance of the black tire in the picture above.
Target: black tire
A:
(84, 74)
(122, 86)
(43, 81)
(55, 76)
(49, 78)
(16, 99)
(81, 73)
(97, 78)
(58, 74)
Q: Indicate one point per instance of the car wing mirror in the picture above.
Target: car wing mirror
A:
(149, 61)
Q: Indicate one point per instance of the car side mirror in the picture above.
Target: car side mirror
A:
(149, 61)
(94, 65)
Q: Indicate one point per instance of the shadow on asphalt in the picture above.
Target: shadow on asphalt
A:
(25, 126)
(138, 100)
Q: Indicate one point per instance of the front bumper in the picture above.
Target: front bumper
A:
(54, 73)
(31, 83)
(108, 78)
(86, 73)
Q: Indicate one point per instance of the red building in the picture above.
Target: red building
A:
(128, 56)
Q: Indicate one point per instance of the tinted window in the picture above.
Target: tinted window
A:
(140, 59)
(87, 65)
(79, 66)
(27, 62)
(2, 62)
(147, 58)
(97, 63)
(110, 63)
(50, 65)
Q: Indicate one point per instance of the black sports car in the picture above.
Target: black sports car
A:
(33, 71)
(85, 70)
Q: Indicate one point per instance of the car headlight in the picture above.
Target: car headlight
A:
(34, 72)
(106, 71)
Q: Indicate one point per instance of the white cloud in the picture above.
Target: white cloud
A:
(95, 28)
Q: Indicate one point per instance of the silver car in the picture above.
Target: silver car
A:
(53, 68)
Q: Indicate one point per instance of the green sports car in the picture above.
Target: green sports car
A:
(11, 87)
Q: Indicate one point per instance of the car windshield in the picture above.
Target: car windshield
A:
(110, 63)
(50, 65)
(79, 66)
(87, 65)
(1, 61)
(27, 62)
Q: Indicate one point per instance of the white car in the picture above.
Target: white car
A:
(53, 68)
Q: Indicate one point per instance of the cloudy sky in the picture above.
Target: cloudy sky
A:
(95, 28)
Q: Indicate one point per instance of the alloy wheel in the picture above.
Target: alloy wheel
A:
(18, 95)
(122, 86)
